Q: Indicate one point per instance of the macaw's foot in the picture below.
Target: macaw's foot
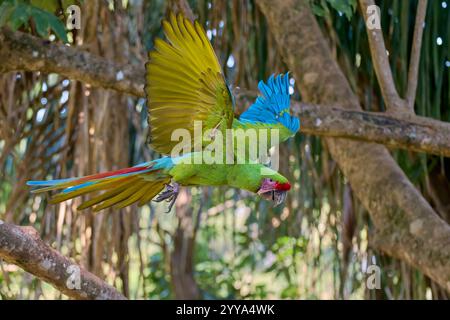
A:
(170, 194)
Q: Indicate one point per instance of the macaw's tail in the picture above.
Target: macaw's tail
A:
(119, 188)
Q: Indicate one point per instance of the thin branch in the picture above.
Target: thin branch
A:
(381, 64)
(23, 247)
(413, 71)
(18, 52)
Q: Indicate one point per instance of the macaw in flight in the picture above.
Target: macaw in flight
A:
(186, 86)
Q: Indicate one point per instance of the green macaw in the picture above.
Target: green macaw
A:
(186, 89)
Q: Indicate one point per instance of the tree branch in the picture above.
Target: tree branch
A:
(413, 71)
(23, 247)
(381, 64)
(413, 133)
(20, 51)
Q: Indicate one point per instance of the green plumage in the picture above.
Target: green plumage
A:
(246, 176)
(185, 89)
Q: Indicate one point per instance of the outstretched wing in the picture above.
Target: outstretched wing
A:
(273, 107)
(185, 85)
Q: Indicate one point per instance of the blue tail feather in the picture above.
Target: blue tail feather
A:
(74, 188)
(162, 163)
(48, 183)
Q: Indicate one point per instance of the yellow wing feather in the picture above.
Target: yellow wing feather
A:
(185, 83)
(118, 192)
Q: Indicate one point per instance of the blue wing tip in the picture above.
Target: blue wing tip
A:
(273, 103)
(295, 125)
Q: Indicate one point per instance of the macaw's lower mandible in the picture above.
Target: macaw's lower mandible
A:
(185, 85)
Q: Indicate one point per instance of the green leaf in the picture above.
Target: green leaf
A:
(318, 10)
(290, 292)
(58, 27)
(45, 20)
(40, 22)
(347, 7)
(19, 16)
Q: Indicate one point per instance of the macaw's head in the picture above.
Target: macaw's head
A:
(274, 189)
(260, 179)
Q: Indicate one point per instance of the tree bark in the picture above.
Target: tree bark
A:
(407, 227)
(21, 51)
(23, 247)
(407, 132)
(380, 59)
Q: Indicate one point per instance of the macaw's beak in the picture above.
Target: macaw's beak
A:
(277, 196)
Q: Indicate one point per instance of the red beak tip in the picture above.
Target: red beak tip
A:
(283, 186)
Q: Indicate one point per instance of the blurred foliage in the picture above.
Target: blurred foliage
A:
(321, 7)
(317, 246)
(38, 15)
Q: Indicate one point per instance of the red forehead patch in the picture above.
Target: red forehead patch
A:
(283, 186)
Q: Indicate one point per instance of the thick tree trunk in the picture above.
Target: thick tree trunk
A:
(407, 226)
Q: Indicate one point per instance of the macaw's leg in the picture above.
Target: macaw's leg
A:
(170, 194)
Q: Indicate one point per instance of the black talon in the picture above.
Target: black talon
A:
(170, 195)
